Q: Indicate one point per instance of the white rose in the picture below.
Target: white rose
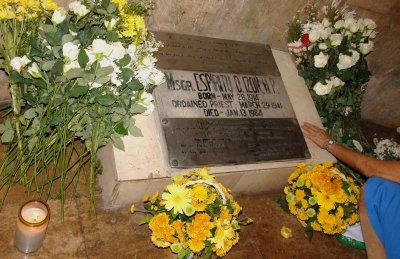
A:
(325, 22)
(336, 81)
(149, 61)
(157, 78)
(314, 35)
(58, 16)
(118, 51)
(339, 24)
(366, 48)
(370, 24)
(372, 35)
(101, 47)
(322, 89)
(71, 51)
(358, 145)
(79, 9)
(326, 33)
(34, 71)
(355, 57)
(320, 60)
(349, 21)
(110, 24)
(322, 46)
(354, 27)
(18, 63)
(146, 100)
(346, 61)
(336, 39)
(71, 65)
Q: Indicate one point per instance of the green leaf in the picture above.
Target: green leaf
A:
(117, 142)
(2, 128)
(112, 7)
(137, 108)
(135, 85)
(126, 74)
(67, 38)
(112, 36)
(78, 90)
(145, 220)
(106, 99)
(124, 61)
(104, 71)
(47, 28)
(83, 58)
(32, 142)
(48, 65)
(105, 3)
(30, 114)
(75, 73)
(120, 129)
(135, 131)
(7, 136)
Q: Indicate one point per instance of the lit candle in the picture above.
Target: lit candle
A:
(32, 222)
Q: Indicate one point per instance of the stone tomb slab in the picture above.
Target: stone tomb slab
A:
(226, 104)
(272, 138)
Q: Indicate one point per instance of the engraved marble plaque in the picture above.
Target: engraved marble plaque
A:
(223, 102)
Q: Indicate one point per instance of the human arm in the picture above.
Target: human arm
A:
(366, 165)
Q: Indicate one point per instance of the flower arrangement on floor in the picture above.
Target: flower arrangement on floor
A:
(322, 198)
(330, 49)
(194, 216)
(387, 149)
(77, 77)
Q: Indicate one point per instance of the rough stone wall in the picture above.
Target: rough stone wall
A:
(265, 21)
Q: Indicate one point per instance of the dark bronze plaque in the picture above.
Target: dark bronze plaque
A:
(195, 53)
(224, 102)
(201, 142)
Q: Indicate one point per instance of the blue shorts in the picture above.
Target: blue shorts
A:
(382, 202)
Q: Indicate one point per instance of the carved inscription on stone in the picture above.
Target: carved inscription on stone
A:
(224, 102)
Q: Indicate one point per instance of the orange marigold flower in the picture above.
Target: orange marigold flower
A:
(196, 245)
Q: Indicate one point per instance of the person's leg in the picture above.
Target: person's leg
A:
(374, 246)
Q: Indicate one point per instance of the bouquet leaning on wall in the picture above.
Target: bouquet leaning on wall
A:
(330, 49)
(77, 78)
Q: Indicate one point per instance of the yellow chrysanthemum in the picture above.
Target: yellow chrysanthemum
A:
(162, 231)
(199, 192)
(160, 242)
(146, 198)
(225, 237)
(196, 245)
(177, 198)
(121, 4)
(212, 197)
(339, 212)
(302, 215)
(178, 226)
(237, 208)
(316, 226)
(292, 208)
(325, 200)
(300, 194)
(154, 197)
(200, 227)
(225, 215)
(203, 174)
(353, 218)
(133, 26)
(49, 5)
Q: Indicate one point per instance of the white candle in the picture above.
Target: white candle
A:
(32, 222)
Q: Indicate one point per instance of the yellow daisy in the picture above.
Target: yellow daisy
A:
(177, 198)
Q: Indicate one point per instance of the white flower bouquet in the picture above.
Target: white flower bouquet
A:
(77, 78)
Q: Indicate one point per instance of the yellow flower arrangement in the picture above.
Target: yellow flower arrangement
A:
(322, 197)
(195, 215)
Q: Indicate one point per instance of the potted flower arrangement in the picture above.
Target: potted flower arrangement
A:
(77, 78)
(330, 49)
(195, 216)
(322, 198)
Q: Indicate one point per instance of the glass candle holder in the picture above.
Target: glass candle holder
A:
(32, 222)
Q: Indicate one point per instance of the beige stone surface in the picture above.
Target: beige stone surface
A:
(265, 21)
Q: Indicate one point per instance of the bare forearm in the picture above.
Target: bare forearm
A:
(366, 165)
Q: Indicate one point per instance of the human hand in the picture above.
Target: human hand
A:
(316, 135)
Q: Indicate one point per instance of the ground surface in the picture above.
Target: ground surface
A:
(116, 234)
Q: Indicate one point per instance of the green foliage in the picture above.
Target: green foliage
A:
(72, 96)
